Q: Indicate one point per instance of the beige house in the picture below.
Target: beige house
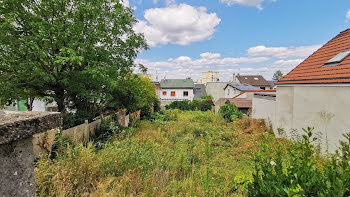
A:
(314, 94)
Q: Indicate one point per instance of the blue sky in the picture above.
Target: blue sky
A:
(234, 36)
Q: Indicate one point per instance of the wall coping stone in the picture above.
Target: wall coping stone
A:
(20, 125)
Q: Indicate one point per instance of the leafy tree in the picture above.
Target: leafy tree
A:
(67, 50)
(278, 75)
(230, 112)
(133, 92)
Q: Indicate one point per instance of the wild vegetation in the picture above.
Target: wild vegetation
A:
(204, 104)
(178, 153)
(192, 153)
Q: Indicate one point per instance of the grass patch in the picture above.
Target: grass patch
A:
(179, 153)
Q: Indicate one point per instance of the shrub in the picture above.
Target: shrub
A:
(230, 112)
(297, 172)
(202, 105)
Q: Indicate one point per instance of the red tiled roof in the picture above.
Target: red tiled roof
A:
(254, 80)
(311, 70)
(253, 91)
(241, 103)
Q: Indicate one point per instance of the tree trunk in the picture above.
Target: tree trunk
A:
(61, 106)
(29, 103)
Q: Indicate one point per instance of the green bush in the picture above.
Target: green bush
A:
(202, 105)
(230, 112)
(298, 173)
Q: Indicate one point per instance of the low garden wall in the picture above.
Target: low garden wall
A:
(16, 149)
(26, 135)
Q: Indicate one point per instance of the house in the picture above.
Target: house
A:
(232, 89)
(254, 80)
(216, 90)
(176, 90)
(317, 94)
(199, 91)
(209, 76)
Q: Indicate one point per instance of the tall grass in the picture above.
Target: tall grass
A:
(189, 153)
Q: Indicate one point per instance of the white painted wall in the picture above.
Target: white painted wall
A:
(231, 92)
(264, 107)
(178, 94)
(326, 107)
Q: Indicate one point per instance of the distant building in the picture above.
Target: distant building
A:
(232, 89)
(209, 76)
(254, 80)
(199, 91)
(149, 76)
(176, 90)
(216, 90)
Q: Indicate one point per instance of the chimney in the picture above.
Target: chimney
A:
(235, 80)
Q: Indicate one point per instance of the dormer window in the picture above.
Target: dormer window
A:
(338, 58)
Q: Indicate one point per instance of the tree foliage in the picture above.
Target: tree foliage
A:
(277, 75)
(201, 105)
(230, 112)
(73, 51)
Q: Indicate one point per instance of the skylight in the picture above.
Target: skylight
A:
(256, 78)
(338, 58)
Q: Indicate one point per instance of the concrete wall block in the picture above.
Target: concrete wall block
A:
(17, 168)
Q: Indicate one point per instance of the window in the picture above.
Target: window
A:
(338, 58)
(172, 93)
(228, 92)
(198, 89)
(185, 93)
(164, 93)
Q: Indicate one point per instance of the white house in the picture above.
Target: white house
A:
(176, 90)
(315, 94)
(232, 89)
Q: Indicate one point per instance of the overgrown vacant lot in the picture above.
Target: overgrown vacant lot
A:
(178, 154)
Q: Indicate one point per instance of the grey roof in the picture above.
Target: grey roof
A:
(199, 94)
(177, 84)
(242, 86)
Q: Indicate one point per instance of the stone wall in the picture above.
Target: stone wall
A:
(16, 149)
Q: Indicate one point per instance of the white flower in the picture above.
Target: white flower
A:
(272, 163)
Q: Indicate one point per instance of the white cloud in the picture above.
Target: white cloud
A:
(167, 2)
(182, 59)
(254, 3)
(209, 55)
(184, 66)
(178, 24)
(283, 52)
(348, 15)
